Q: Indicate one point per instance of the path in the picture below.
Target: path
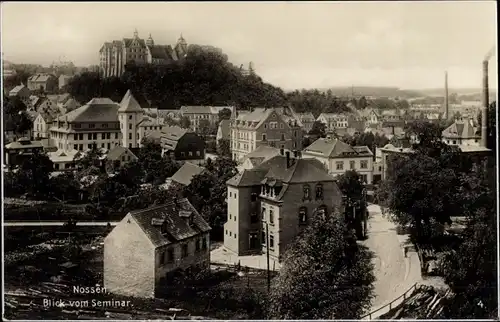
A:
(394, 273)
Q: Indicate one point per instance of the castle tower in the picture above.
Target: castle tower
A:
(130, 115)
(136, 33)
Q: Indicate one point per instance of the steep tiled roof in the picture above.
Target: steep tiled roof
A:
(170, 136)
(128, 41)
(300, 171)
(461, 129)
(24, 143)
(96, 110)
(263, 152)
(116, 152)
(176, 228)
(16, 89)
(260, 115)
(331, 148)
(40, 77)
(363, 150)
(186, 173)
(161, 51)
(129, 104)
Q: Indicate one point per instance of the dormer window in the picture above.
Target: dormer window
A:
(319, 191)
(302, 216)
(321, 210)
(307, 192)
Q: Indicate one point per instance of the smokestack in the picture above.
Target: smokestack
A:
(484, 111)
(446, 103)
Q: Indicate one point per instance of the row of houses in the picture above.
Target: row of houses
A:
(46, 83)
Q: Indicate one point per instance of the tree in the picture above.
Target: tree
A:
(204, 128)
(224, 114)
(32, 176)
(318, 129)
(155, 168)
(325, 275)
(350, 185)
(184, 122)
(224, 148)
(15, 116)
(471, 271)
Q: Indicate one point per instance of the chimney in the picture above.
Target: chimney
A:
(446, 103)
(282, 151)
(288, 161)
(484, 112)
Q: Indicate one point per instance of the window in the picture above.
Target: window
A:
(263, 238)
(282, 137)
(77, 126)
(264, 137)
(170, 255)
(89, 136)
(109, 146)
(321, 210)
(190, 153)
(319, 191)
(230, 216)
(281, 125)
(105, 126)
(75, 146)
(351, 164)
(263, 213)
(130, 126)
(230, 234)
(271, 217)
(162, 258)
(226, 231)
(80, 147)
(91, 126)
(183, 154)
(130, 136)
(184, 250)
(130, 117)
(108, 136)
(80, 136)
(116, 135)
(198, 153)
(271, 241)
(339, 165)
(307, 192)
(230, 194)
(103, 136)
(364, 164)
(89, 146)
(197, 245)
(234, 235)
(302, 216)
(253, 197)
(282, 146)
(204, 243)
(94, 136)
(235, 195)
(254, 218)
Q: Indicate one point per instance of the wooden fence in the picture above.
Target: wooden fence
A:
(406, 294)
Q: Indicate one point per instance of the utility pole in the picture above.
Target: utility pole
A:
(268, 268)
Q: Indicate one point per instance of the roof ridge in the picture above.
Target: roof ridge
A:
(171, 202)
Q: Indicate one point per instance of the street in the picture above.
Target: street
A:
(392, 269)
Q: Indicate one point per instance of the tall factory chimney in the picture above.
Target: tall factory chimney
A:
(446, 96)
(486, 100)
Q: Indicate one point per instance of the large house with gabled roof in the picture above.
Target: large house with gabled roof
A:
(462, 132)
(278, 127)
(149, 245)
(339, 157)
(272, 203)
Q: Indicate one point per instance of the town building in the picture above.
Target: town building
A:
(148, 246)
(105, 123)
(196, 114)
(64, 160)
(258, 156)
(182, 145)
(462, 132)
(43, 123)
(22, 92)
(17, 151)
(275, 127)
(63, 80)
(174, 115)
(47, 83)
(185, 174)
(118, 157)
(339, 157)
(116, 54)
(333, 121)
(269, 205)
(307, 120)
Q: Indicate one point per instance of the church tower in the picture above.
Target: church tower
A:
(181, 47)
(130, 115)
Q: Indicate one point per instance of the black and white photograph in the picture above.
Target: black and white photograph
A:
(249, 160)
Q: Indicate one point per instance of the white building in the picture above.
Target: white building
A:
(339, 157)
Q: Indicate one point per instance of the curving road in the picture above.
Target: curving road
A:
(391, 267)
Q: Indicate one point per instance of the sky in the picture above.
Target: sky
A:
(292, 45)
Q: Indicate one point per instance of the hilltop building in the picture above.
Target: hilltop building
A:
(116, 54)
